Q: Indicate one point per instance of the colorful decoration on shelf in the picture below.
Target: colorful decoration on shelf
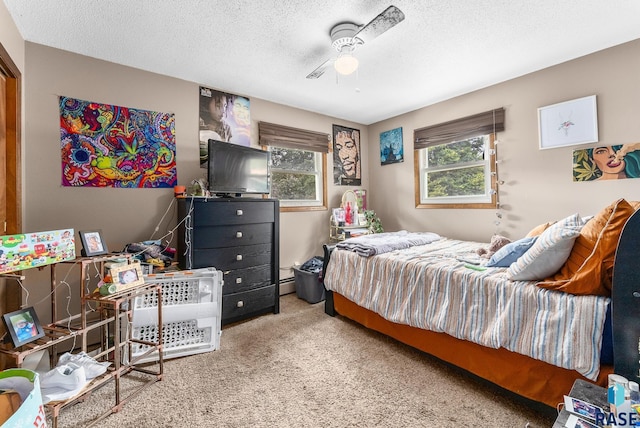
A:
(29, 250)
(105, 145)
(373, 222)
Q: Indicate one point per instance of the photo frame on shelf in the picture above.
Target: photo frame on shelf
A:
(568, 123)
(92, 243)
(126, 276)
(23, 326)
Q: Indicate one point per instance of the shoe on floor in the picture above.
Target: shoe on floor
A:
(66, 377)
(92, 368)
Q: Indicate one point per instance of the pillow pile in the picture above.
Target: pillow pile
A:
(589, 266)
(549, 252)
(511, 252)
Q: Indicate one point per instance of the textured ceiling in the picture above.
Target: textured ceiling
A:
(265, 48)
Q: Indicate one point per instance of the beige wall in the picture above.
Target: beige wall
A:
(539, 184)
(131, 215)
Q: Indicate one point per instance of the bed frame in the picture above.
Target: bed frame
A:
(530, 378)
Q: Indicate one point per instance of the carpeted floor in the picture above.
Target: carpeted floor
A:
(302, 368)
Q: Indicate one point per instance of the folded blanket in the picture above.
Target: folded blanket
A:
(378, 243)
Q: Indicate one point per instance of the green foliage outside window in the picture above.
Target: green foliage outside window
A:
(293, 174)
(456, 169)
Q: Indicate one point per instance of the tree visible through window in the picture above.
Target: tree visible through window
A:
(459, 172)
(296, 176)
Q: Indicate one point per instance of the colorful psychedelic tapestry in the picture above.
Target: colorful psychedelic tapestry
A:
(111, 146)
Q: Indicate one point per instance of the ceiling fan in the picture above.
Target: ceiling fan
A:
(346, 36)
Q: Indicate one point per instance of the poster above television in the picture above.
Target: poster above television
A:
(235, 170)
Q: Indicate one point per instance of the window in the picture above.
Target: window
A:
(297, 177)
(455, 162)
(298, 166)
(458, 173)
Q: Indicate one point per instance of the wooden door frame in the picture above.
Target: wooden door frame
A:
(10, 291)
(13, 151)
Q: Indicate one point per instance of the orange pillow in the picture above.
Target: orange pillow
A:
(537, 231)
(635, 204)
(590, 264)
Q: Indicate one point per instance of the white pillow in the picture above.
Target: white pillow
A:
(550, 251)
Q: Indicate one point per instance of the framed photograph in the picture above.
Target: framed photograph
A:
(92, 243)
(127, 276)
(23, 326)
(568, 123)
(391, 150)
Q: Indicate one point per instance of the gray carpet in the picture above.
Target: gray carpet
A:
(302, 368)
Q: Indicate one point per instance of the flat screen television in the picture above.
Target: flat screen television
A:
(234, 170)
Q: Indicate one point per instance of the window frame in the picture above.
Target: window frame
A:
(292, 205)
(462, 202)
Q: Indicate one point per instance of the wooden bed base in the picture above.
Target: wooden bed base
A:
(525, 376)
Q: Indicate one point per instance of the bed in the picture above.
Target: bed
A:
(548, 314)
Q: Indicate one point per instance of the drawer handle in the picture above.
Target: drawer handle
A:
(238, 234)
(238, 280)
(238, 257)
(239, 212)
(240, 304)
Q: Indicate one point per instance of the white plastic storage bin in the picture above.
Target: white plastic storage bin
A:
(191, 314)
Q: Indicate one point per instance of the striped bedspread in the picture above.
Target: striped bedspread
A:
(430, 287)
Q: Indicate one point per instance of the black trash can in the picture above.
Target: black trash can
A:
(309, 286)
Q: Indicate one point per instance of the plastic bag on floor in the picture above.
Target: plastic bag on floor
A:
(31, 411)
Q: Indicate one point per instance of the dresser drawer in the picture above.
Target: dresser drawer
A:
(246, 279)
(237, 305)
(233, 212)
(233, 257)
(231, 236)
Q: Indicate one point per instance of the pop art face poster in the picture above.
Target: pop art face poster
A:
(223, 117)
(607, 162)
(111, 146)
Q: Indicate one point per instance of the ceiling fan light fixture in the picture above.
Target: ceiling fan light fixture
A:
(346, 63)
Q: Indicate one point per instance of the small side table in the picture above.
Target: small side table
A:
(588, 392)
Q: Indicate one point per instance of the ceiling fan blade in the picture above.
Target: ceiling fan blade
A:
(320, 70)
(381, 23)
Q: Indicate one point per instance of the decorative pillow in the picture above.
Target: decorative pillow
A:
(537, 231)
(511, 252)
(547, 255)
(590, 264)
(635, 204)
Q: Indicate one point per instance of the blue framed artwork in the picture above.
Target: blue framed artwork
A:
(391, 150)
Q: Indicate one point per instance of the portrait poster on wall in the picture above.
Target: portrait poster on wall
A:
(607, 162)
(106, 145)
(391, 150)
(346, 156)
(223, 117)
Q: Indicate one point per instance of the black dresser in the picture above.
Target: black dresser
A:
(240, 237)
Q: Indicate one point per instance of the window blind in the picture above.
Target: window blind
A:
(271, 134)
(459, 129)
